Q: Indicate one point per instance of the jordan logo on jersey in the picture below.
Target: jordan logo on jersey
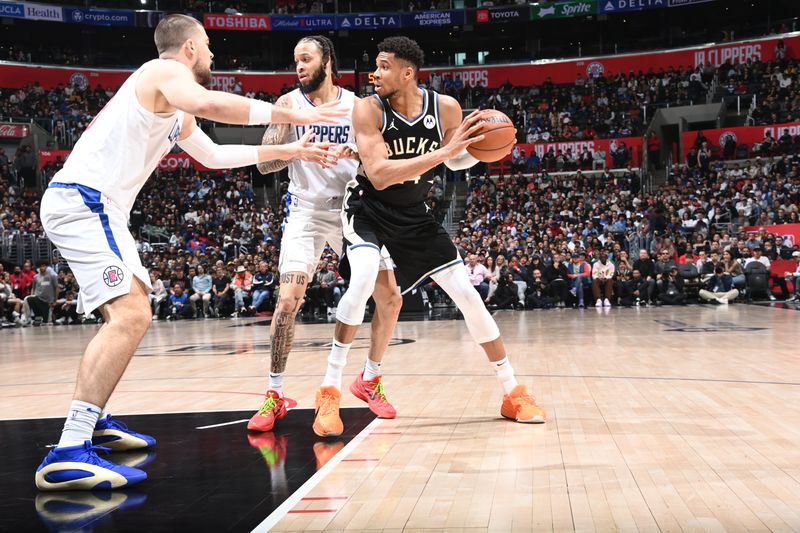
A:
(392, 126)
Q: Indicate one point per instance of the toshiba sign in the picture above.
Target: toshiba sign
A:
(236, 22)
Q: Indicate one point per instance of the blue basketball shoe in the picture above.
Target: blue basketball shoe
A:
(80, 468)
(116, 436)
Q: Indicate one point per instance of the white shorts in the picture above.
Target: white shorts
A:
(306, 229)
(92, 234)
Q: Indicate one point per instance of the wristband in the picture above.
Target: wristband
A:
(260, 112)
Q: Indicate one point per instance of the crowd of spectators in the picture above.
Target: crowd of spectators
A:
(568, 240)
(530, 241)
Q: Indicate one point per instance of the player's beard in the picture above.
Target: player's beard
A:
(202, 75)
(315, 81)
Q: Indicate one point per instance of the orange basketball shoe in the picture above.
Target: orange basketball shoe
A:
(273, 409)
(521, 407)
(372, 392)
(327, 422)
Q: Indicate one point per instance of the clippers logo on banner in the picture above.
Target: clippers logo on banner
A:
(368, 21)
(236, 22)
(13, 131)
(99, 17)
(434, 18)
(735, 53)
(12, 10)
(618, 6)
(503, 14)
(746, 135)
(44, 12)
(302, 22)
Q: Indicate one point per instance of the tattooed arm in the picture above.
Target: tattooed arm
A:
(276, 134)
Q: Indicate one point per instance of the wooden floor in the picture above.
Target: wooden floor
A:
(660, 419)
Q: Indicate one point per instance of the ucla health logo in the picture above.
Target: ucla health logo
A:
(113, 276)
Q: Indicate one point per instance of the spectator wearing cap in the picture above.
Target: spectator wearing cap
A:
(242, 284)
(603, 280)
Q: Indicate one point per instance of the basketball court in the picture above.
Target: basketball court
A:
(660, 419)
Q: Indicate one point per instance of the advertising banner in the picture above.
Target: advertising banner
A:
(503, 14)
(791, 237)
(566, 71)
(367, 21)
(43, 12)
(169, 162)
(572, 8)
(13, 131)
(619, 6)
(743, 135)
(453, 17)
(8, 9)
(17, 75)
(99, 17)
(222, 21)
(634, 145)
(679, 3)
(302, 22)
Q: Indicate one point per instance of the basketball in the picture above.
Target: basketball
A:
(499, 136)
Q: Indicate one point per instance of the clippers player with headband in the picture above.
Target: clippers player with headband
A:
(85, 213)
(313, 217)
(403, 133)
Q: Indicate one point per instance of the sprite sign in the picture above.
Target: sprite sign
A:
(566, 9)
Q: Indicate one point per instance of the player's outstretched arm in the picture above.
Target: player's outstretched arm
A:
(276, 134)
(198, 145)
(384, 172)
(176, 83)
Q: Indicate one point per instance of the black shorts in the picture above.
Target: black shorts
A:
(418, 244)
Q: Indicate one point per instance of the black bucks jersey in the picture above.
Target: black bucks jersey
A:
(397, 216)
(406, 138)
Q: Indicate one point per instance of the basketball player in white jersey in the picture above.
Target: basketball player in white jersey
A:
(85, 212)
(314, 203)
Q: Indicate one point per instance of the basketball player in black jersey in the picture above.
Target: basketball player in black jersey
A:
(402, 134)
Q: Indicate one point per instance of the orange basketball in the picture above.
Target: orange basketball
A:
(499, 136)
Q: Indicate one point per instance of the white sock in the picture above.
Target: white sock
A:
(372, 369)
(505, 373)
(81, 420)
(337, 360)
(276, 383)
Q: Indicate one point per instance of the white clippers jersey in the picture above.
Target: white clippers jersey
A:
(310, 181)
(122, 146)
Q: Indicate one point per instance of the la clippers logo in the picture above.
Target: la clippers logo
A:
(113, 276)
(79, 81)
(724, 137)
(595, 69)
